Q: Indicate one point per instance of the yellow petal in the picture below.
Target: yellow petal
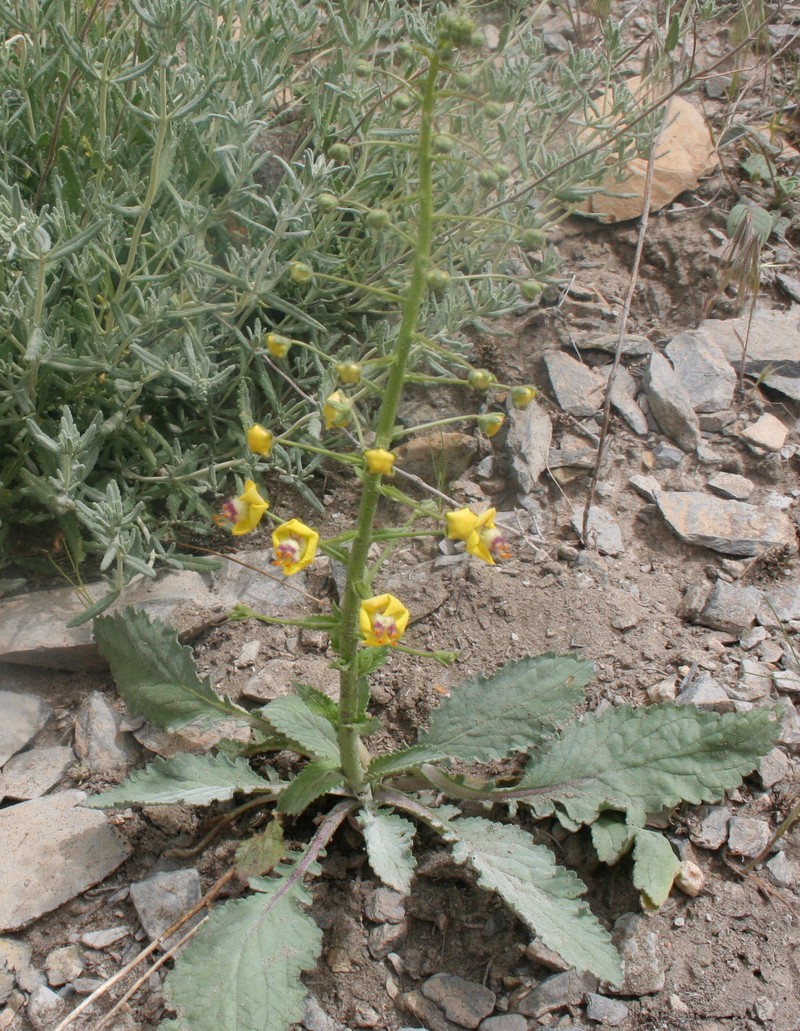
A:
(251, 508)
(477, 547)
(259, 440)
(307, 538)
(379, 461)
(460, 523)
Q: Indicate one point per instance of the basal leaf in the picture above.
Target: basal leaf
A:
(655, 867)
(186, 779)
(389, 840)
(262, 852)
(546, 896)
(313, 781)
(155, 674)
(611, 838)
(643, 760)
(242, 969)
(314, 734)
(318, 702)
(402, 761)
(518, 707)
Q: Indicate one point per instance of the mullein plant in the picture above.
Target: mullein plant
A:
(242, 969)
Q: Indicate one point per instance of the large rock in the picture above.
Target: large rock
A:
(703, 370)
(730, 527)
(30, 774)
(578, 389)
(669, 403)
(22, 717)
(52, 851)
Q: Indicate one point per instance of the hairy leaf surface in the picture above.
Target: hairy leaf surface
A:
(313, 733)
(314, 780)
(389, 839)
(242, 969)
(156, 675)
(546, 896)
(186, 779)
(643, 760)
(655, 867)
(486, 718)
(402, 761)
(261, 853)
(611, 839)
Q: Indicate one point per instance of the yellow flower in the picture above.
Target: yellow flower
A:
(521, 397)
(460, 524)
(295, 546)
(383, 620)
(491, 423)
(243, 514)
(277, 345)
(336, 410)
(259, 440)
(380, 461)
(483, 539)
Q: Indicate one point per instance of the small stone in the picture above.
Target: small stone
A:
(338, 960)
(715, 422)
(99, 940)
(86, 985)
(751, 638)
(163, 898)
(646, 486)
(578, 389)
(694, 601)
(602, 1010)
(504, 1022)
(677, 1005)
(703, 371)
(386, 938)
(427, 1012)
(642, 955)
(748, 837)
(787, 680)
(729, 485)
(364, 1015)
(23, 717)
(529, 436)
(99, 742)
(764, 1009)
(690, 879)
(729, 608)
(557, 992)
(30, 774)
(782, 870)
(464, 1002)
(623, 392)
(667, 456)
(45, 1007)
(731, 527)
(669, 403)
(248, 654)
(767, 432)
(63, 965)
(662, 692)
(538, 952)
(625, 621)
(770, 652)
(603, 532)
(15, 954)
(315, 1018)
(385, 906)
(632, 346)
(314, 640)
(712, 832)
(773, 768)
(29, 978)
(705, 693)
(789, 734)
(755, 681)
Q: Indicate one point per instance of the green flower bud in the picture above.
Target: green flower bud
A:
(405, 51)
(531, 239)
(349, 373)
(493, 110)
(481, 379)
(402, 101)
(300, 273)
(339, 152)
(327, 202)
(488, 178)
(437, 279)
(442, 144)
(531, 289)
(501, 171)
(521, 397)
(363, 69)
(378, 218)
(456, 30)
(463, 80)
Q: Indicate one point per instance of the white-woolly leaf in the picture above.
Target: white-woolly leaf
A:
(643, 760)
(400, 762)
(544, 895)
(389, 839)
(314, 734)
(611, 839)
(242, 969)
(186, 779)
(155, 674)
(486, 718)
(314, 780)
(655, 867)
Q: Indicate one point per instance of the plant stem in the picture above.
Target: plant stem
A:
(349, 738)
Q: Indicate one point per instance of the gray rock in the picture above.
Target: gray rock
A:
(662, 692)
(789, 285)
(729, 608)
(86, 985)
(52, 851)
(669, 403)
(315, 1018)
(783, 604)
(276, 676)
(730, 527)
(29, 978)
(99, 742)
(386, 938)
(579, 390)
(729, 485)
(789, 734)
(529, 435)
(63, 965)
(427, 1012)
(23, 718)
(703, 370)
(646, 486)
(748, 837)
(194, 737)
(30, 774)
(163, 898)
(538, 952)
(557, 992)
(752, 638)
(104, 937)
(755, 681)
(668, 456)
(782, 870)
(623, 394)
(505, 1022)
(632, 346)
(44, 1008)
(385, 906)
(603, 532)
(7, 982)
(767, 433)
(464, 1002)
(15, 954)
(248, 654)
(787, 680)
(602, 1010)
(642, 956)
(705, 693)
(772, 769)
(715, 422)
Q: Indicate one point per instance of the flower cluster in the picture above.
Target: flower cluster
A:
(483, 539)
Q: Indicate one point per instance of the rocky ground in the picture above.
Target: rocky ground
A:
(685, 588)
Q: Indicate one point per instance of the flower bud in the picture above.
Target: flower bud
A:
(438, 279)
(300, 273)
(327, 202)
(493, 110)
(380, 462)
(378, 218)
(349, 373)
(456, 30)
(491, 423)
(339, 152)
(363, 69)
(405, 50)
(337, 410)
(481, 379)
(277, 345)
(531, 289)
(521, 397)
(259, 440)
(442, 143)
(531, 239)
(402, 101)
(488, 178)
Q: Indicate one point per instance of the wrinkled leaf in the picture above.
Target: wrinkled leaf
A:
(403, 760)
(313, 733)
(261, 853)
(389, 839)
(611, 839)
(655, 867)
(313, 781)
(318, 702)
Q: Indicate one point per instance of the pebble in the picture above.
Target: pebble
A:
(670, 404)
(538, 952)
(642, 955)
(162, 899)
(646, 486)
(703, 371)
(705, 693)
(99, 742)
(23, 717)
(248, 655)
(315, 1018)
(730, 608)
(86, 985)
(464, 1002)
(730, 485)
(667, 456)
(63, 965)
(427, 1012)
(45, 1007)
(782, 870)
(556, 992)
(623, 392)
(385, 938)
(15, 954)
(748, 837)
(385, 906)
(731, 527)
(690, 879)
(602, 1010)
(504, 1022)
(101, 939)
(752, 638)
(712, 831)
(766, 432)
(787, 680)
(662, 692)
(773, 768)
(755, 681)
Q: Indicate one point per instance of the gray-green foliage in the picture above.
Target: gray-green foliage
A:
(608, 772)
(161, 165)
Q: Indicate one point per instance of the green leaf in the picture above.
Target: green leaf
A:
(261, 853)
(514, 710)
(611, 838)
(314, 780)
(760, 220)
(389, 840)
(402, 761)
(644, 760)
(312, 733)
(242, 969)
(155, 674)
(318, 702)
(655, 867)
(544, 895)
(188, 779)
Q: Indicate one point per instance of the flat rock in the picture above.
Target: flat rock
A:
(33, 627)
(773, 345)
(556, 992)
(782, 870)
(605, 1011)
(52, 851)
(385, 906)
(162, 899)
(441, 455)
(783, 604)
(623, 394)
(670, 404)
(748, 837)
(730, 485)
(705, 693)
(603, 532)
(712, 830)
(464, 1002)
(63, 965)
(505, 1022)
(787, 680)
(667, 456)
(730, 608)
(45, 1007)
(632, 346)
(275, 677)
(105, 937)
(30, 774)
(730, 527)
(99, 742)
(772, 769)
(385, 938)
(703, 370)
(767, 433)
(579, 390)
(529, 435)
(755, 681)
(642, 956)
(23, 718)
